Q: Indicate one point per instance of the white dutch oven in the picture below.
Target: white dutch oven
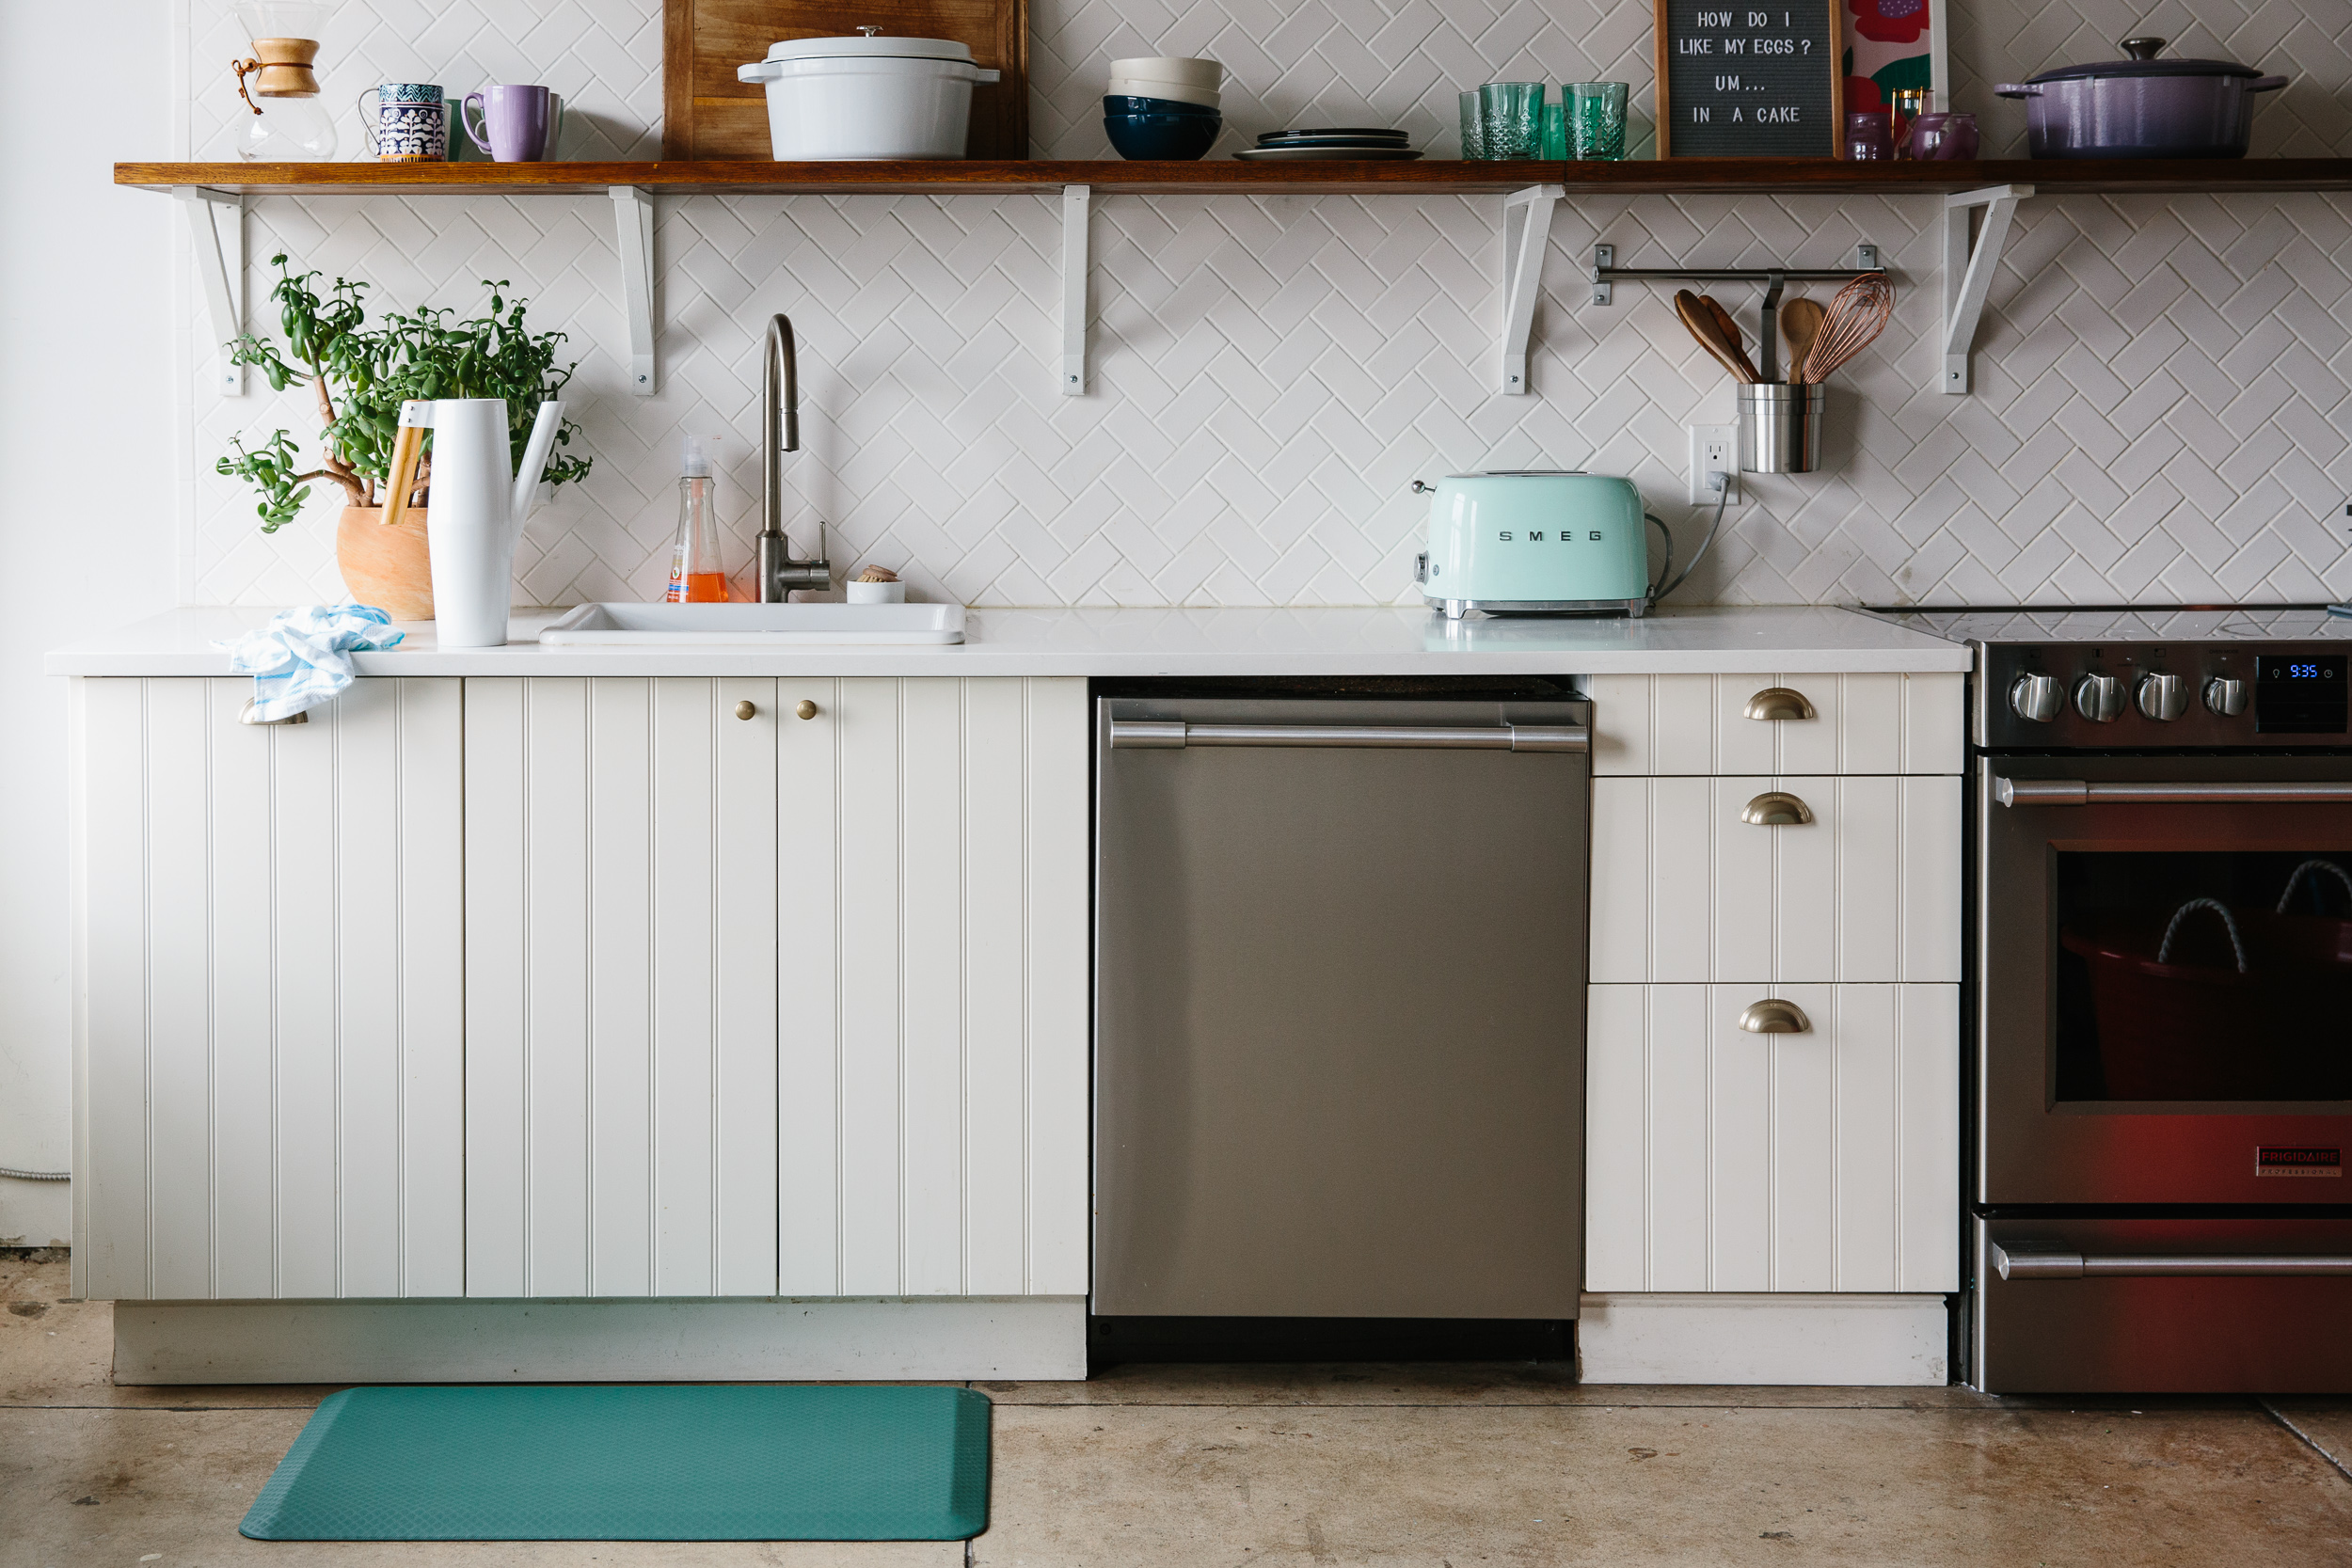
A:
(867, 96)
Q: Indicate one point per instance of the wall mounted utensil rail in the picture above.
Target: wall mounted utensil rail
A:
(1606, 275)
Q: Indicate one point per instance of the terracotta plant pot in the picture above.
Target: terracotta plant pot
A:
(387, 567)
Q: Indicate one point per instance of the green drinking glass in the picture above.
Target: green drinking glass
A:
(1555, 130)
(1595, 119)
(1513, 116)
(1473, 126)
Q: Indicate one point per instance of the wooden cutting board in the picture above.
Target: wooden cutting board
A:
(707, 114)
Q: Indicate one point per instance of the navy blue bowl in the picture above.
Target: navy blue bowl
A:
(1121, 104)
(1174, 137)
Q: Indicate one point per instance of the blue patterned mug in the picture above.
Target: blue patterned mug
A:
(409, 123)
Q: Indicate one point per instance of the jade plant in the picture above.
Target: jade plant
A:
(362, 374)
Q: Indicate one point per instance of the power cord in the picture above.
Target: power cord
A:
(36, 1175)
(1721, 483)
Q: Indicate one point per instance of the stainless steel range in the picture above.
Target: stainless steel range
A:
(2162, 982)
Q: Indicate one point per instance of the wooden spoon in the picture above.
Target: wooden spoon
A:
(1730, 329)
(1701, 324)
(1800, 326)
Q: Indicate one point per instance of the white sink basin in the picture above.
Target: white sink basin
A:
(761, 625)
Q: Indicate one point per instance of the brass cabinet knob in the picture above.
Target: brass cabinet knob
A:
(746, 708)
(1776, 807)
(807, 709)
(1779, 702)
(1773, 1016)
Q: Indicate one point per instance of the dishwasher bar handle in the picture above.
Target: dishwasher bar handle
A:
(1176, 734)
(2057, 1260)
(2079, 792)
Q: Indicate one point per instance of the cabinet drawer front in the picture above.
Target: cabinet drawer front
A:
(272, 1036)
(1686, 891)
(1864, 724)
(1721, 1160)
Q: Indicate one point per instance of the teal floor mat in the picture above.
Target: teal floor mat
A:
(683, 1462)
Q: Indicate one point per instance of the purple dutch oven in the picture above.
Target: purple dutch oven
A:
(2142, 107)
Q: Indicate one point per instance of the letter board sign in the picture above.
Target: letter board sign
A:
(1745, 81)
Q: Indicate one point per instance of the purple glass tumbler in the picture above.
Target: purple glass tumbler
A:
(1944, 136)
(1869, 136)
(512, 124)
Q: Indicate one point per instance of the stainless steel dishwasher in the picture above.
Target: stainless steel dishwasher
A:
(1340, 1007)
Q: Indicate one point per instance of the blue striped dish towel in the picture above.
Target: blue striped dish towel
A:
(302, 657)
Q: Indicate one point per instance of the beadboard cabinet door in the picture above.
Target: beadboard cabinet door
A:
(1868, 890)
(1721, 1160)
(270, 1090)
(777, 1004)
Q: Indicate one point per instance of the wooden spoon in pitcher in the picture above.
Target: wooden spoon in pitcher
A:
(1800, 327)
(1701, 323)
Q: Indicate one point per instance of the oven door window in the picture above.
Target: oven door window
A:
(2205, 975)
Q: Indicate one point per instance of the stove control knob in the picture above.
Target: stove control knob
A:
(2036, 697)
(2099, 698)
(2161, 697)
(2225, 696)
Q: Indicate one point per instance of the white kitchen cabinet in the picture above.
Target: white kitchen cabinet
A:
(1724, 1161)
(1870, 889)
(776, 1004)
(273, 1052)
(1698, 724)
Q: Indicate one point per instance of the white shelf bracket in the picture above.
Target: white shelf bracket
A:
(1968, 270)
(1078, 204)
(1526, 235)
(632, 211)
(217, 225)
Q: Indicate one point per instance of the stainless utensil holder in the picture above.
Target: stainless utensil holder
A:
(1781, 426)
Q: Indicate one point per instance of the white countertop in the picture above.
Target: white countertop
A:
(1115, 641)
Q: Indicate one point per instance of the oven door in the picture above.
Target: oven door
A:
(2165, 979)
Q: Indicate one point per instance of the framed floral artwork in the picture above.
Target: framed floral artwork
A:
(1893, 44)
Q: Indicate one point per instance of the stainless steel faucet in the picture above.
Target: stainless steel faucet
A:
(780, 433)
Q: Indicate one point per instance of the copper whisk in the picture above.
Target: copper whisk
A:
(1856, 316)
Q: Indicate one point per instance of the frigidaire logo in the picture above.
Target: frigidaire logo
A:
(2298, 1160)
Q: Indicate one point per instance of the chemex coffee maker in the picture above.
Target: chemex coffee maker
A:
(286, 124)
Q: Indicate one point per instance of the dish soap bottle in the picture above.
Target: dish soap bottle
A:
(697, 576)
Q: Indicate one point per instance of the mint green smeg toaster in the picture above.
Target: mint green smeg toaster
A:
(1534, 542)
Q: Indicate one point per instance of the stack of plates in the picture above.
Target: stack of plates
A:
(1340, 142)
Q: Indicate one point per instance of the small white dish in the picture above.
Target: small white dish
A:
(877, 593)
(1172, 68)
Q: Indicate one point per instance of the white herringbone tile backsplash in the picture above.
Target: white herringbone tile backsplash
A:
(2164, 403)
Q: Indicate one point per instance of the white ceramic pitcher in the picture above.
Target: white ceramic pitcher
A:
(477, 511)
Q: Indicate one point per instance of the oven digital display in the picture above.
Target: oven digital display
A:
(2299, 695)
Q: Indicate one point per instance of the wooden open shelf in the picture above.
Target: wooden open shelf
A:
(1646, 176)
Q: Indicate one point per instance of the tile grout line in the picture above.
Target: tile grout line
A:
(2305, 1438)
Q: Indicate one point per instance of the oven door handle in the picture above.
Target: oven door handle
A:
(2079, 792)
(2024, 1260)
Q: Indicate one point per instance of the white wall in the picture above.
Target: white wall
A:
(2162, 384)
(91, 478)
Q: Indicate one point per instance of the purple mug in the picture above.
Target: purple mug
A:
(512, 124)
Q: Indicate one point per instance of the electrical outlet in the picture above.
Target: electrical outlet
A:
(1714, 449)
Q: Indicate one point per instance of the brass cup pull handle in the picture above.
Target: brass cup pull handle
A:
(746, 708)
(807, 709)
(1773, 1016)
(1779, 702)
(1776, 807)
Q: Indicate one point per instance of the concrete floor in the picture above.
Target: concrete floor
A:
(1227, 1466)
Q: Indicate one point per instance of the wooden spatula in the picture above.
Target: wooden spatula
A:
(1800, 327)
(1700, 320)
(1730, 329)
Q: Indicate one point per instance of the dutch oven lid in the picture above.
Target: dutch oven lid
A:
(2143, 62)
(870, 46)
